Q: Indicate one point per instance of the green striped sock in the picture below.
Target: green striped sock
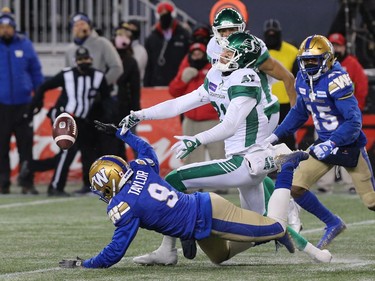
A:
(298, 239)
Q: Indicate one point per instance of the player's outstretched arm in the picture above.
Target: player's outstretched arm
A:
(144, 149)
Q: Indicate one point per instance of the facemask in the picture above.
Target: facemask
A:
(311, 68)
(198, 64)
(273, 41)
(85, 66)
(7, 39)
(165, 21)
(122, 42)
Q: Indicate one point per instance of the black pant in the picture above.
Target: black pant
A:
(290, 140)
(12, 122)
(86, 144)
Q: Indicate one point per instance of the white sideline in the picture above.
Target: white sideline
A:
(38, 202)
(348, 225)
(16, 274)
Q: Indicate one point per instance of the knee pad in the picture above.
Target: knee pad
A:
(175, 180)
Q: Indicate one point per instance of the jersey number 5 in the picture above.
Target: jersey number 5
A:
(161, 193)
(328, 121)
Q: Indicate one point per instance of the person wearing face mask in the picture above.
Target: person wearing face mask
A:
(356, 72)
(166, 46)
(21, 74)
(105, 56)
(190, 76)
(129, 83)
(286, 54)
(105, 59)
(139, 51)
(82, 88)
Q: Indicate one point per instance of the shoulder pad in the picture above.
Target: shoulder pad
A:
(339, 82)
(244, 76)
(118, 211)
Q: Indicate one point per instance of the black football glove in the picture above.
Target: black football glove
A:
(71, 263)
(109, 129)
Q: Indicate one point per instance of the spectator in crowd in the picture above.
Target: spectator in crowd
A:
(286, 54)
(83, 88)
(325, 91)
(139, 51)
(105, 59)
(191, 75)
(166, 46)
(129, 84)
(201, 34)
(360, 82)
(21, 74)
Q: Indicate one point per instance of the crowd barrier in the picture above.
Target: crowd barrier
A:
(159, 133)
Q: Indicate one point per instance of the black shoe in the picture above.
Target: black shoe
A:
(189, 248)
(4, 190)
(30, 190)
(25, 174)
(286, 241)
(57, 193)
(83, 191)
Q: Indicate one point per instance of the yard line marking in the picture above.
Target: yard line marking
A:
(16, 274)
(314, 230)
(39, 202)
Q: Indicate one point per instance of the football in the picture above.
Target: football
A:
(64, 131)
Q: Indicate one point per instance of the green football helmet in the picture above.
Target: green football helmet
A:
(227, 18)
(240, 50)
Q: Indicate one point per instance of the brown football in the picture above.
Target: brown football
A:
(64, 130)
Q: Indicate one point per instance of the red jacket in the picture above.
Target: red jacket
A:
(178, 88)
(359, 78)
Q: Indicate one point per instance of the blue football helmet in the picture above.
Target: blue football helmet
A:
(108, 174)
(315, 56)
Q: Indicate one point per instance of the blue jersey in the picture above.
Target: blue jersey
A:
(149, 202)
(333, 108)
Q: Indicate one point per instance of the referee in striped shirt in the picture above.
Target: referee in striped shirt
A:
(82, 88)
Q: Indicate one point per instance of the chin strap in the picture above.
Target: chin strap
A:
(125, 178)
(312, 95)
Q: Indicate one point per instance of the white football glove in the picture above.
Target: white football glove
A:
(185, 145)
(272, 139)
(322, 150)
(130, 121)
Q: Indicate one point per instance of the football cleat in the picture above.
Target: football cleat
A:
(292, 158)
(189, 248)
(286, 241)
(158, 257)
(323, 256)
(330, 233)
